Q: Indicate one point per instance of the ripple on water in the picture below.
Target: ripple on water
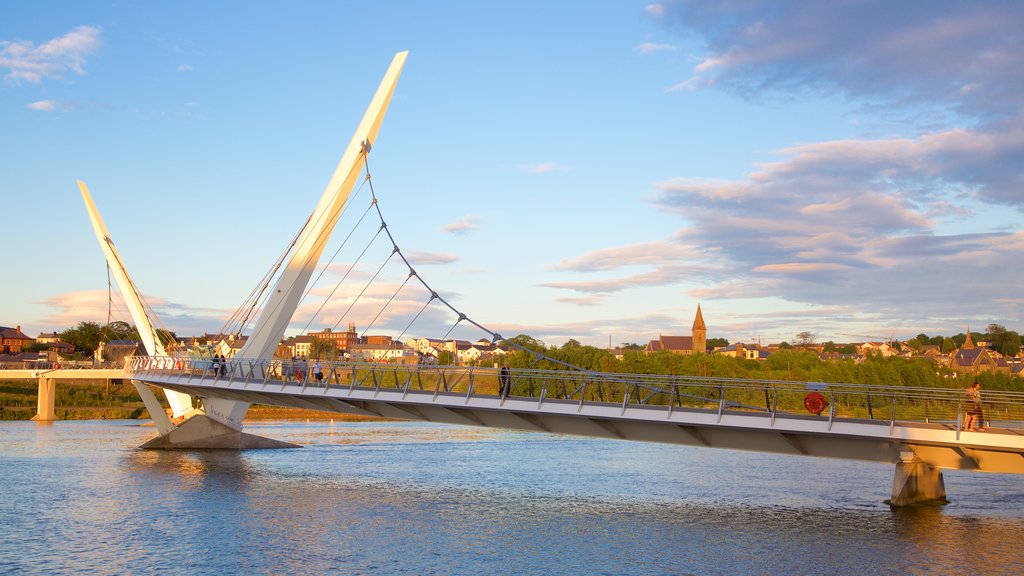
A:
(406, 498)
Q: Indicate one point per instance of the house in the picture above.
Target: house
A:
(696, 343)
(390, 351)
(882, 348)
(971, 359)
(741, 350)
(342, 340)
(12, 340)
(48, 337)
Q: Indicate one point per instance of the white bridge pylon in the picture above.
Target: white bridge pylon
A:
(219, 424)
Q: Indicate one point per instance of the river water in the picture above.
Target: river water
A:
(414, 498)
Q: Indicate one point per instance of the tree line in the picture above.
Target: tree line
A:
(787, 364)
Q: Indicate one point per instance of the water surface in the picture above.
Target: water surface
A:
(414, 498)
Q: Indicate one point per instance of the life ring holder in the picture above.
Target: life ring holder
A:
(815, 402)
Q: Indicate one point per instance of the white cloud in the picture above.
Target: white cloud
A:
(51, 106)
(655, 9)
(184, 68)
(546, 167)
(430, 258)
(462, 225)
(964, 56)
(31, 63)
(70, 308)
(652, 48)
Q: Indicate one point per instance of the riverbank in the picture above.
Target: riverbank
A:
(120, 401)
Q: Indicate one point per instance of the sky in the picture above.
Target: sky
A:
(567, 170)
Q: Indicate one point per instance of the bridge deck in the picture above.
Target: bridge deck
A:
(698, 412)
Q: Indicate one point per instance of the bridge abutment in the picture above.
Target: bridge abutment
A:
(917, 482)
(45, 403)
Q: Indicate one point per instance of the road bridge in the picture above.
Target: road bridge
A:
(47, 379)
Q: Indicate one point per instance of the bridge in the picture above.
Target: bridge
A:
(909, 427)
(918, 430)
(47, 378)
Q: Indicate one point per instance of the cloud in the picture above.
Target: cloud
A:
(184, 68)
(430, 258)
(964, 56)
(462, 225)
(846, 222)
(592, 300)
(67, 53)
(51, 106)
(652, 48)
(546, 167)
(70, 308)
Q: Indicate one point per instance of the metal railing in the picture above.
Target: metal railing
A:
(888, 404)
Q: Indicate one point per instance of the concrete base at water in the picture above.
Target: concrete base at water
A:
(45, 404)
(917, 482)
(204, 433)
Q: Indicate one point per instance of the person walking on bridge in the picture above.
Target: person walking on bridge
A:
(506, 381)
(975, 415)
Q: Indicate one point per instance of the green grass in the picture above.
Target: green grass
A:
(78, 401)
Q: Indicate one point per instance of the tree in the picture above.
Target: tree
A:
(528, 342)
(948, 345)
(85, 337)
(1004, 341)
(716, 343)
(323, 349)
(830, 346)
(120, 330)
(805, 338)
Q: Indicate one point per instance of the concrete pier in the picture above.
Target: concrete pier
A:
(45, 406)
(917, 482)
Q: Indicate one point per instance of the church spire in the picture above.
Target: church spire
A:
(699, 337)
(698, 321)
(968, 343)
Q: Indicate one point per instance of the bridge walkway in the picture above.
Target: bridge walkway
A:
(875, 423)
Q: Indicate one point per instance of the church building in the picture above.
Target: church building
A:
(696, 343)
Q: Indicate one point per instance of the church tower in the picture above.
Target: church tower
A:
(969, 343)
(700, 334)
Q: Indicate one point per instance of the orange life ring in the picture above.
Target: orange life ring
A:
(815, 403)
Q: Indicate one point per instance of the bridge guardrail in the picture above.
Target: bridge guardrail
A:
(886, 404)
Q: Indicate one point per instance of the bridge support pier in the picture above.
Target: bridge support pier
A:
(917, 482)
(203, 433)
(45, 403)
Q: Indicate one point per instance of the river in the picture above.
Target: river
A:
(415, 498)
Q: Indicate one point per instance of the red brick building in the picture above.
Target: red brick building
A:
(12, 340)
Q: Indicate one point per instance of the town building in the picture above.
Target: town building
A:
(12, 340)
(696, 343)
(971, 359)
(343, 341)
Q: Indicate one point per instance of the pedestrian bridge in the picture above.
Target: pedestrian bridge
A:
(914, 428)
(864, 422)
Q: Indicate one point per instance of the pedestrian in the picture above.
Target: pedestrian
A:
(223, 365)
(975, 420)
(215, 364)
(506, 381)
(318, 371)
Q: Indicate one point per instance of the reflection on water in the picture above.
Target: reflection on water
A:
(404, 498)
